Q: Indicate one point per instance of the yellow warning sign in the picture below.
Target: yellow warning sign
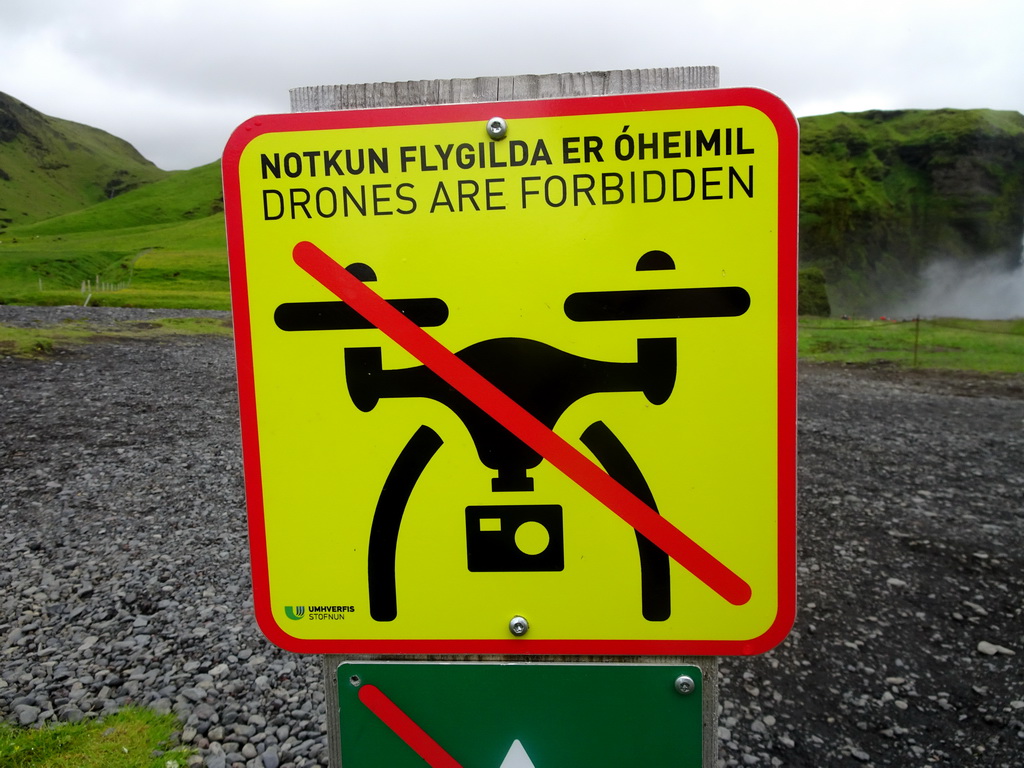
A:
(539, 367)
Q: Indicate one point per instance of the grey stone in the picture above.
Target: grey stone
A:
(27, 715)
(71, 715)
(193, 694)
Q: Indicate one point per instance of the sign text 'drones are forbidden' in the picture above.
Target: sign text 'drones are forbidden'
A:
(454, 415)
(340, 182)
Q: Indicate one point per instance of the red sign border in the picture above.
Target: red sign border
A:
(787, 131)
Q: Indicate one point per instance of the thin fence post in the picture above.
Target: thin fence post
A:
(917, 336)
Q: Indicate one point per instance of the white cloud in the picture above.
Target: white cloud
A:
(175, 76)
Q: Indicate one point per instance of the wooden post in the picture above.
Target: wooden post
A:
(320, 98)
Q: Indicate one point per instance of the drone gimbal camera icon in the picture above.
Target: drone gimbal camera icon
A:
(543, 380)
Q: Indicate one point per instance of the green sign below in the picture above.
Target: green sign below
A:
(472, 715)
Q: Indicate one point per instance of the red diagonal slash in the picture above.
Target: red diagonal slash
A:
(521, 423)
(405, 728)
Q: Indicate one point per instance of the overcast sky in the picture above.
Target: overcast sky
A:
(175, 77)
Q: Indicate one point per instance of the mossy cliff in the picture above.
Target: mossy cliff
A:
(883, 194)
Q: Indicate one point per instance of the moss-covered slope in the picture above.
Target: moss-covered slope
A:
(50, 166)
(885, 193)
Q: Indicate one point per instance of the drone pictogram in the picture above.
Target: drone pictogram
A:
(543, 381)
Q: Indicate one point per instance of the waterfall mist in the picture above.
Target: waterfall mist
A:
(983, 290)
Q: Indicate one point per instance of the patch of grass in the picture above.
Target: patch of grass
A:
(198, 269)
(127, 739)
(162, 245)
(47, 340)
(129, 297)
(193, 326)
(956, 344)
(126, 268)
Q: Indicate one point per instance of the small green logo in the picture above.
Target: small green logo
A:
(295, 613)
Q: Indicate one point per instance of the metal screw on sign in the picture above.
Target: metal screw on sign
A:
(518, 626)
(355, 681)
(685, 685)
(497, 128)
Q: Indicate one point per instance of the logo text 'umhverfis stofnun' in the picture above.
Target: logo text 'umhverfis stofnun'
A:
(318, 612)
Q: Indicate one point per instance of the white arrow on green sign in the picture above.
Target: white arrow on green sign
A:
(517, 757)
(466, 715)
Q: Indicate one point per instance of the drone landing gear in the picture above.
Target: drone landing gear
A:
(394, 497)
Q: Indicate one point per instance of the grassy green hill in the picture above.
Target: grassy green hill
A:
(50, 166)
(83, 216)
(180, 196)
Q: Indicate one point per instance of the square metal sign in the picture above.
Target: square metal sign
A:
(524, 359)
(519, 715)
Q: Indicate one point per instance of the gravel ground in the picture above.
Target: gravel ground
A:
(125, 575)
